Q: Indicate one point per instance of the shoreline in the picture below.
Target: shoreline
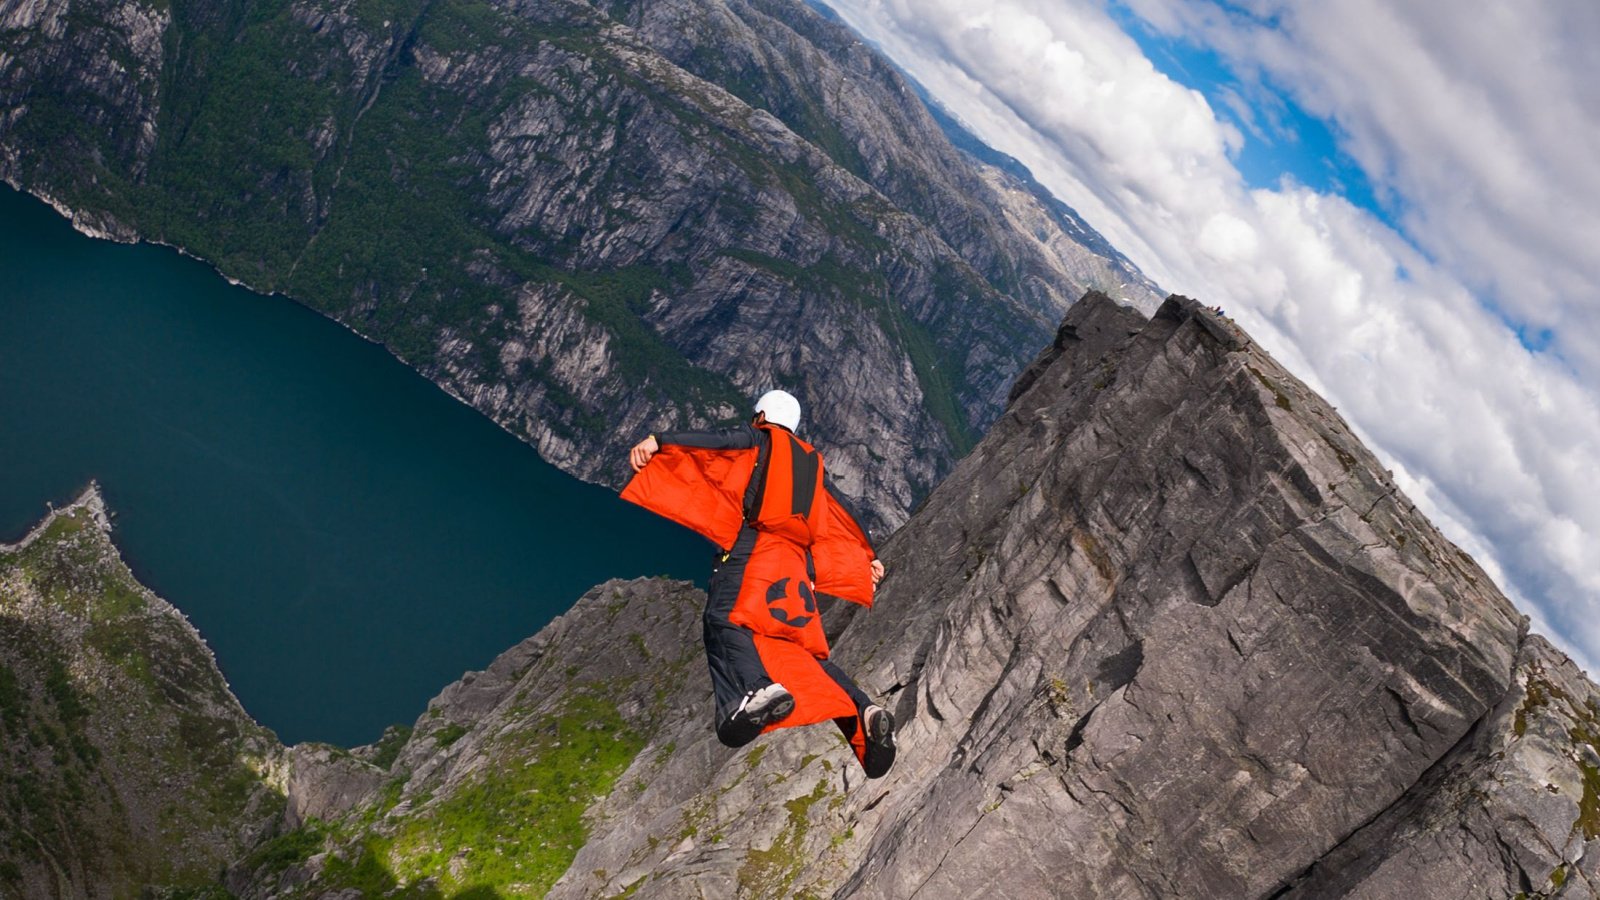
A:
(90, 498)
(81, 225)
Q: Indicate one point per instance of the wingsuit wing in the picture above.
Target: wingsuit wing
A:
(698, 488)
(842, 553)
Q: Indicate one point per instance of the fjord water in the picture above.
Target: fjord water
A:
(347, 537)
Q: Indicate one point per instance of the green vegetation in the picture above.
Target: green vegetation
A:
(449, 734)
(1584, 734)
(13, 702)
(616, 300)
(287, 849)
(1537, 695)
(360, 186)
(364, 869)
(631, 889)
(521, 823)
(803, 114)
(1588, 732)
(358, 192)
(76, 704)
(770, 872)
(939, 371)
(1279, 397)
(389, 746)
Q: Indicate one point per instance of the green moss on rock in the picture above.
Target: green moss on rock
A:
(122, 754)
(770, 872)
(518, 824)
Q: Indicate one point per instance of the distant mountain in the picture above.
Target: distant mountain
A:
(1168, 631)
(588, 220)
(962, 138)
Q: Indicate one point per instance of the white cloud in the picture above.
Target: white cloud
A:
(1484, 122)
(1480, 126)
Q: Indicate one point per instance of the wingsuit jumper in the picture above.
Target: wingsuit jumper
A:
(762, 496)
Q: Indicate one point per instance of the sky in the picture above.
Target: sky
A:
(1399, 199)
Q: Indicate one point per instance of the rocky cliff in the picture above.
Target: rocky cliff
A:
(126, 764)
(1168, 631)
(588, 220)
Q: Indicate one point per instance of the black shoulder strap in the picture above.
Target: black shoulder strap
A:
(758, 478)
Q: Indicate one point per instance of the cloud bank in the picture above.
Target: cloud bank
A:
(1462, 341)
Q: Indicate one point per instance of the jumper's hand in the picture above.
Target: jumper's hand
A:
(877, 572)
(642, 451)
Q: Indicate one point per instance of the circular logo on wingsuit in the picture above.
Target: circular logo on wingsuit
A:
(779, 591)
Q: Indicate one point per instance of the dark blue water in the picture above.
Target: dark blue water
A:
(347, 537)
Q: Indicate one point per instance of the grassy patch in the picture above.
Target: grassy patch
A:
(449, 734)
(518, 826)
(389, 746)
(1589, 805)
(287, 849)
(1537, 695)
(364, 868)
(938, 371)
(151, 721)
(13, 701)
(1345, 459)
(1103, 564)
(1585, 731)
(770, 872)
(616, 299)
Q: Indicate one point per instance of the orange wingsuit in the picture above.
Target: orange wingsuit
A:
(795, 516)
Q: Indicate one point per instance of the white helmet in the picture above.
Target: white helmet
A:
(781, 408)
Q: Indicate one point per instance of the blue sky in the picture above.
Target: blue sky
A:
(1280, 139)
(1400, 215)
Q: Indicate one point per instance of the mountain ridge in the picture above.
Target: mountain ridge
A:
(1169, 631)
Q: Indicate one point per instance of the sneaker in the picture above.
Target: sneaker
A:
(880, 725)
(758, 709)
(764, 706)
(879, 756)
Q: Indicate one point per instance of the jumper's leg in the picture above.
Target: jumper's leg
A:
(875, 751)
(736, 668)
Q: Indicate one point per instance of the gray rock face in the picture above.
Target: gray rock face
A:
(836, 92)
(1513, 810)
(323, 782)
(623, 667)
(1169, 631)
(1191, 625)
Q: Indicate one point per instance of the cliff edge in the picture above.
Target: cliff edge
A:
(1170, 630)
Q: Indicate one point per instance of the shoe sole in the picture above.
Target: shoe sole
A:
(776, 711)
(880, 751)
(742, 728)
(881, 731)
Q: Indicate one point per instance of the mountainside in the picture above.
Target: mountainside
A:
(125, 761)
(587, 220)
(1168, 631)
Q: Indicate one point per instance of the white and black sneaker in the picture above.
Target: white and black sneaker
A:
(758, 709)
(880, 725)
(880, 751)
